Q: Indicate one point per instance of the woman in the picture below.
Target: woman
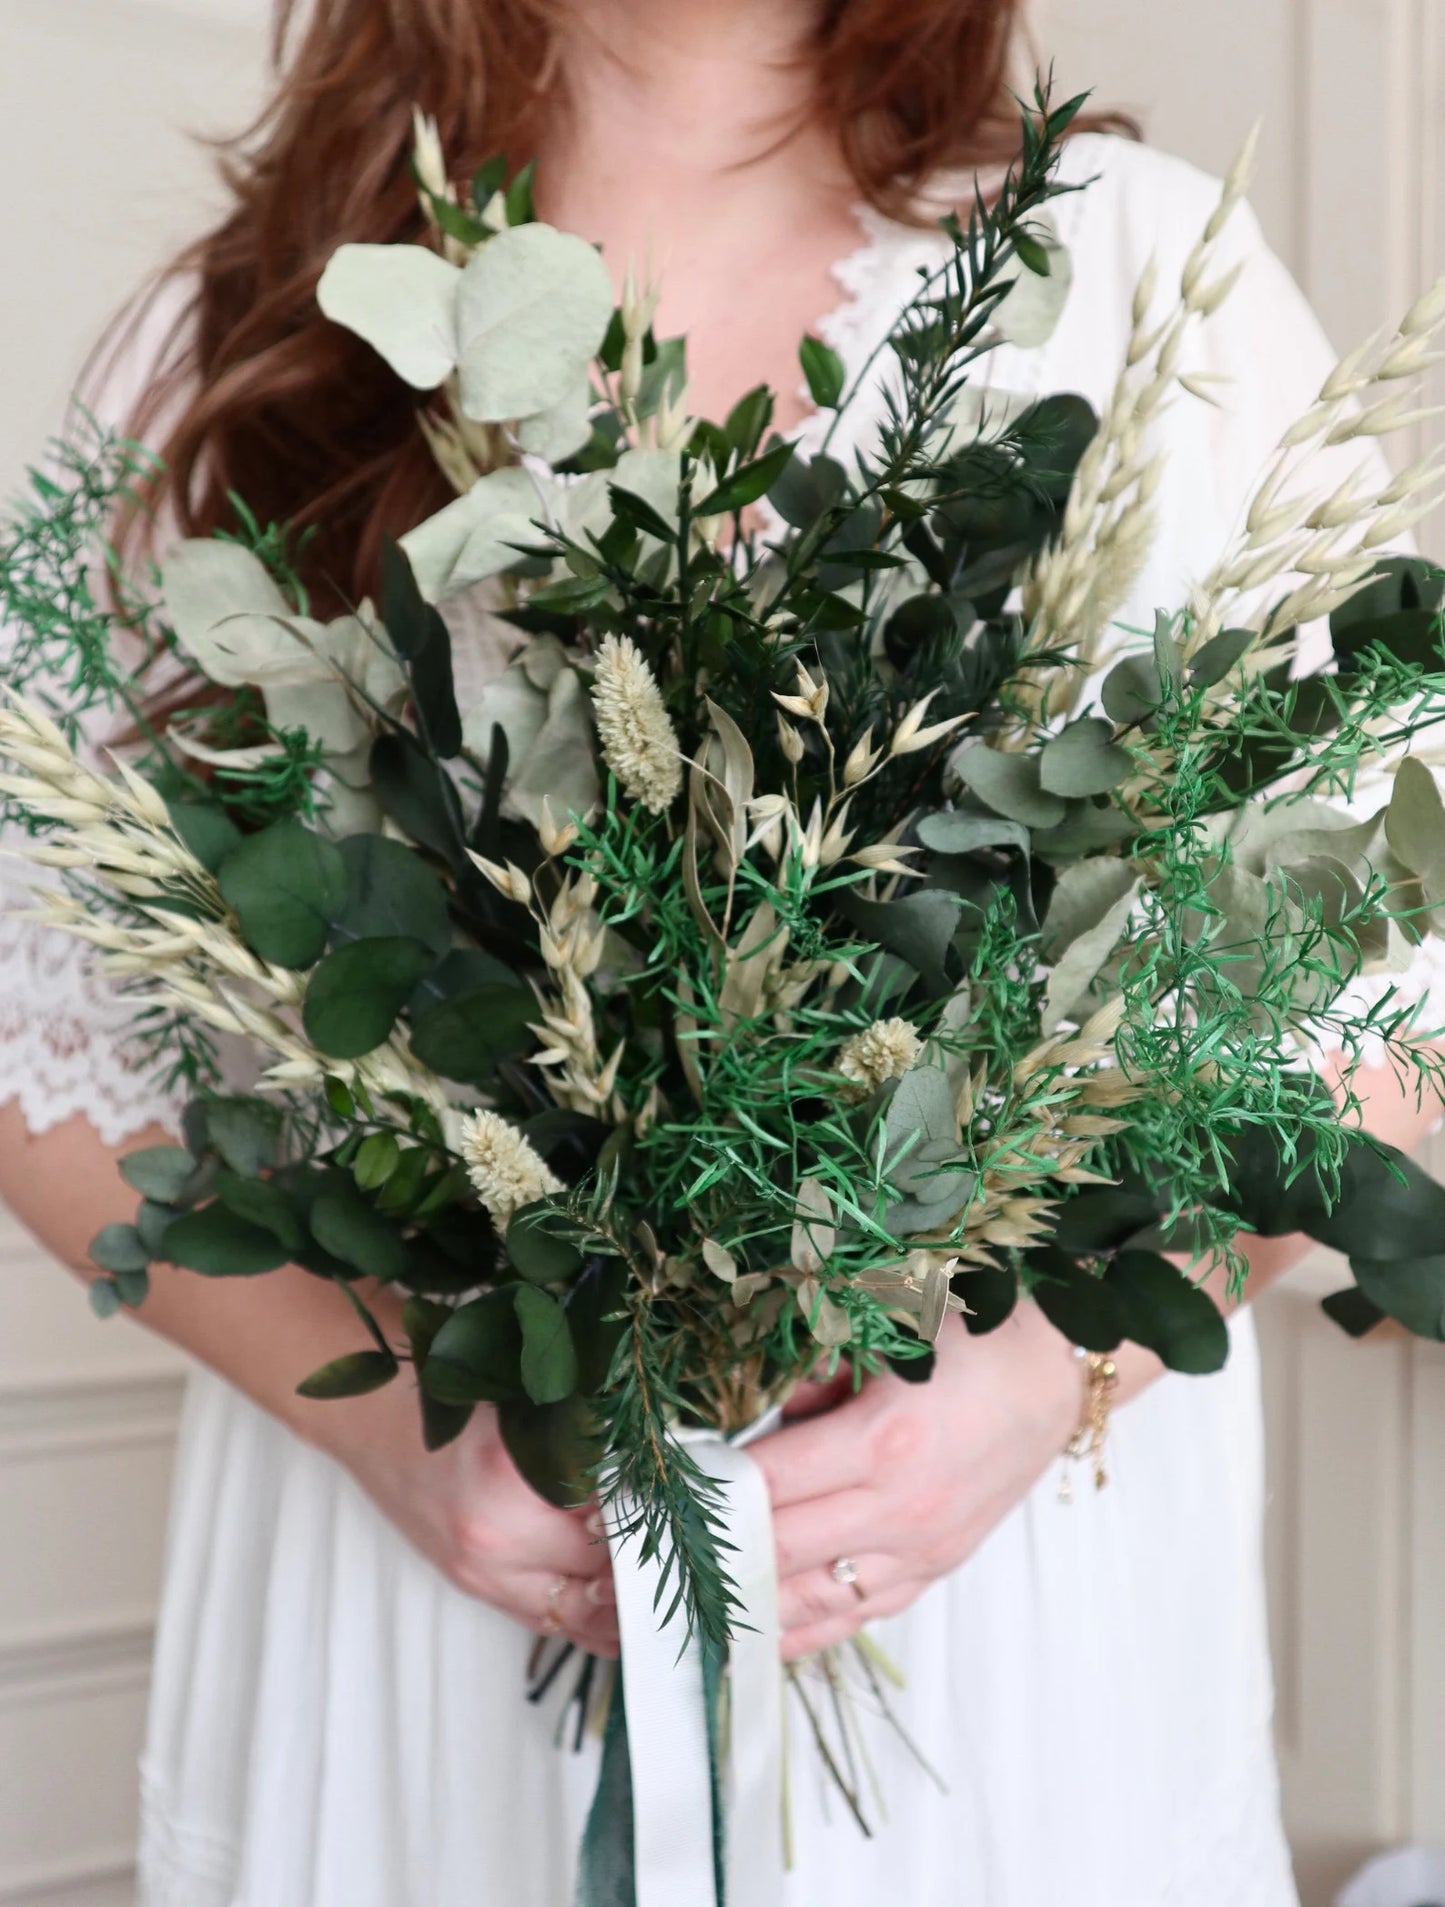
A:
(337, 1715)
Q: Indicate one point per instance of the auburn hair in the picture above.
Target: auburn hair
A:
(263, 398)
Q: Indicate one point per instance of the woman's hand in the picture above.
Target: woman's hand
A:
(906, 1480)
(468, 1510)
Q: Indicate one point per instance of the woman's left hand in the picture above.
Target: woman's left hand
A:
(906, 1480)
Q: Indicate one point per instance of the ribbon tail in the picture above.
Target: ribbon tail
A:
(606, 1869)
(707, 1817)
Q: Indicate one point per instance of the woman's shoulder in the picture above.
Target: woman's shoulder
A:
(1140, 188)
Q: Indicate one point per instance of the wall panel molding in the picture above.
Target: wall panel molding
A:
(76, 1416)
(80, 1659)
(97, 1880)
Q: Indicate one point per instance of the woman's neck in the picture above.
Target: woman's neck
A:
(711, 94)
(687, 141)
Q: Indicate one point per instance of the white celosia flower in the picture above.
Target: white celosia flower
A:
(638, 739)
(505, 1170)
(886, 1050)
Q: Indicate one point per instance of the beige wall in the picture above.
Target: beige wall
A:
(94, 98)
(1351, 189)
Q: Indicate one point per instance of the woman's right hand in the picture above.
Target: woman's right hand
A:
(469, 1511)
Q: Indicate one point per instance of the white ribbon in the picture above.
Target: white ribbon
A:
(666, 1711)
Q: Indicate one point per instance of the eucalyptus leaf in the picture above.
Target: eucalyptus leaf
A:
(1410, 1290)
(1088, 916)
(246, 1132)
(286, 886)
(391, 891)
(958, 833)
(1169, 1314)
(536, 1247)
(919, 928)
(354, 997)
(265, 1203)
(119, 1248)
(402, 299)
(555, 1447)
(466, 1036)
(161, 1173)
(533, 307)
(476, 1357)
(219, 1244)
(353, 1375)
(549, 1358)
(351, 1229)
(1011, 785)
(1083, 759)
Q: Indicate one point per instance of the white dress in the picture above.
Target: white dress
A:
(334, 1725)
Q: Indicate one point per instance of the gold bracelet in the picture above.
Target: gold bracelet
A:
(1087, 1443)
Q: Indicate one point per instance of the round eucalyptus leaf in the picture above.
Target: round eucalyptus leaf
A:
(134, 1288)
(1083, 759)
(220, 1244)
(344, 1224)
(264, 1203)
(536, 1249)
(161, 1173)
(968, 833)
(356, 994)
(1132, 690)
(152, 1221)
(402, 299)
(286, 886)
(105, 1299)
(533, 307)
(246, 1132)
(989, 1296)
(391, 890)
(549, 1357)
(555, 1447)
(119, 1248)
(1169, 1314)
(476, 1356)
(1009, 784)
(207, 830)
(1409, 1290)
(464, 1037)
(1087, 1311)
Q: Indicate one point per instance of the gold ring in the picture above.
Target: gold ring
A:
(845, 1572)
(552, 1621)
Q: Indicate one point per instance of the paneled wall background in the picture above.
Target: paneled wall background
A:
(96, 100)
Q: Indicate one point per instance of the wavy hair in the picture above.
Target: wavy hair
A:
(260, 396)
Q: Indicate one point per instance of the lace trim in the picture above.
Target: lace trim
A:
(64, 1045)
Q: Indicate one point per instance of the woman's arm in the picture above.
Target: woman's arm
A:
(464, 1508)
(908, 1479)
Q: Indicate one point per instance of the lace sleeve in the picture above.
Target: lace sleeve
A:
(65, 1044)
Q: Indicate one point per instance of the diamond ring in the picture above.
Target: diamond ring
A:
(845, 1572)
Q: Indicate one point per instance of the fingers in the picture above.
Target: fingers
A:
(815, 1596)
(818, 1456)
(562, 1543)
(584, 1612)
(814, 1535)
(813, 1638)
